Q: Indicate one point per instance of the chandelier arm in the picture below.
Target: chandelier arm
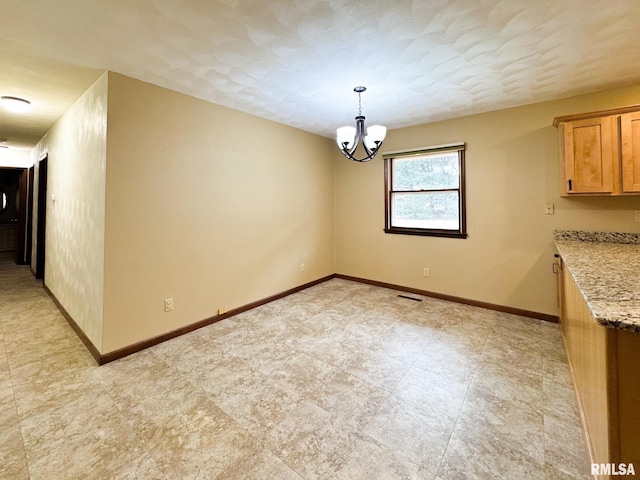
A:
(359, 132)
(370, 154)
(349, 152)
(364, 159)
(360, 137)
(352, 150)
(357, 139)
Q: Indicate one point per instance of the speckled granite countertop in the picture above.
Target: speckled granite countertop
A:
(606, 268)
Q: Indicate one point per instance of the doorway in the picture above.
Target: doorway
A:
(42, 217)
(23, 247)
(13, 205)
(29, 233)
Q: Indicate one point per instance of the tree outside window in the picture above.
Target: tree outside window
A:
(425, 192)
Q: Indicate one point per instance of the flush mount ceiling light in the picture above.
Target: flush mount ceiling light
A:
(348, 138)
(15, 104)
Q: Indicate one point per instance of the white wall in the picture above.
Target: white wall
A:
(74, 266)
(16, 157)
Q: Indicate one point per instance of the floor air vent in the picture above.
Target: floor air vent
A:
(411, 297)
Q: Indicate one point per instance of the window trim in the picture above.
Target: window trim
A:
(388, 192)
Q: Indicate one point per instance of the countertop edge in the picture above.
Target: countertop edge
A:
(625, 322)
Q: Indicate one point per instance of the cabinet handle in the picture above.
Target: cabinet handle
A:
(570, 186)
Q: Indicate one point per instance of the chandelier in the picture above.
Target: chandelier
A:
(348, 138)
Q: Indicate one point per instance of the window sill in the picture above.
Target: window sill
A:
(425, 233)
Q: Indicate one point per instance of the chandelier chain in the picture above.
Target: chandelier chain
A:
(359, 103)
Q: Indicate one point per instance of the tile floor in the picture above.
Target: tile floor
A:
(340, 381)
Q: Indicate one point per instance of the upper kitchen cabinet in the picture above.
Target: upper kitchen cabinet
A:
(589, 150)
(600, 152)
(630, 146)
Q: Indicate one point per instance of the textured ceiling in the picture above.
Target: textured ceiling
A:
(297, 61)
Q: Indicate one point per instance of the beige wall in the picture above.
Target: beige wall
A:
(208, 205)
(164, 195)
(512, 171)
(74, 260)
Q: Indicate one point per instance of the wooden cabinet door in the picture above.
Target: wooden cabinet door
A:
(590, 155)
(630, 141)
(587, 348)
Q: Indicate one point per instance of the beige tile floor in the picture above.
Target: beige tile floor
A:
(340, 381)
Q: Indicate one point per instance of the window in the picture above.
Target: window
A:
(424, 192)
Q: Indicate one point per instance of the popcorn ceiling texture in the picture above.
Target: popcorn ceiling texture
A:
(296, 61)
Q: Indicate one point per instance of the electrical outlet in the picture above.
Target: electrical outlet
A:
(302, 267)
(168, 304)
(548, 209)
(637, 216)
(425, 272)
